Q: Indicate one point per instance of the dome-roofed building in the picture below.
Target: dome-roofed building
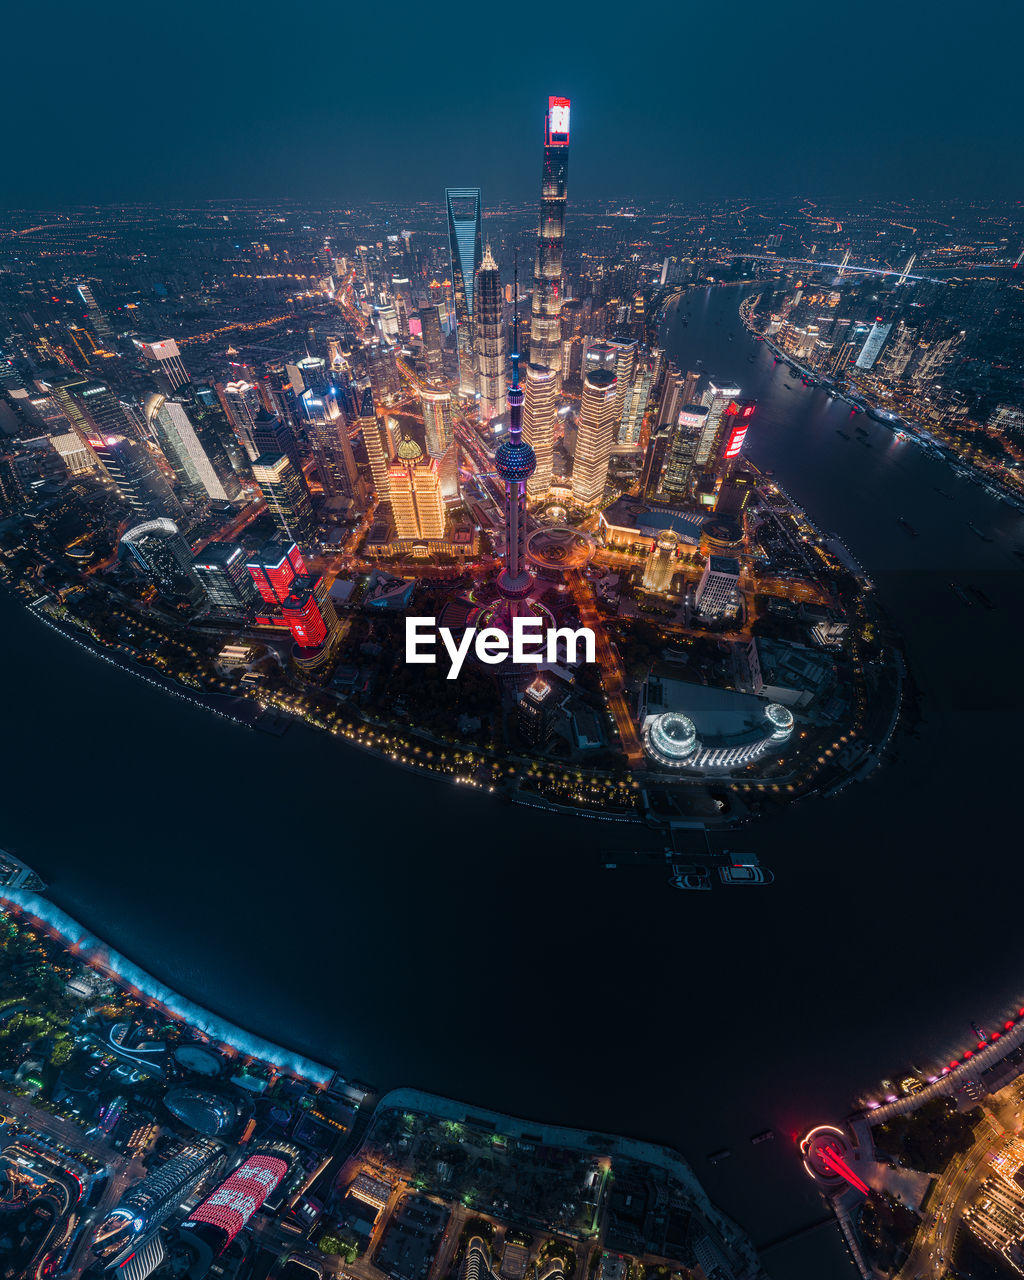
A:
(205, 1112)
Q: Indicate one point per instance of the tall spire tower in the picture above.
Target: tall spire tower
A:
(514, 463)
(489, 336)
(546, 308)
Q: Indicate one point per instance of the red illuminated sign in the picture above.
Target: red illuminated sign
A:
(235, 1201)
(735, 443)
(556, 125)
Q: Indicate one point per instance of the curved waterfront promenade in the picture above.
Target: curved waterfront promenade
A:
(98, 955)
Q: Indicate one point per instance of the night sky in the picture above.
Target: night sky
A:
(337, 101)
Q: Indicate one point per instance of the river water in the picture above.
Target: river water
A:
(412, 932)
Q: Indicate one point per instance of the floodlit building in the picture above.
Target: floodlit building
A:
(718, 590)
(440, 436)
(539, 414)
(595, 436)
(417, 503)
(661, 562)
(465, 242)
(287, 498)
(489, 338)
(548, 291)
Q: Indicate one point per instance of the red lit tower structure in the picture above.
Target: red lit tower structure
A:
(274, 568)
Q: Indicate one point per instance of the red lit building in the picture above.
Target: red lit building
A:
(311, 619)
(274, 568)
(736, 422)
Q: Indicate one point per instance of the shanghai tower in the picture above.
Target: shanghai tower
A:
(545, 313)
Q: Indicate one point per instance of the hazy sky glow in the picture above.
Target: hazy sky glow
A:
(342, 101)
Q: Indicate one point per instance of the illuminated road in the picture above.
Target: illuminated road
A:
(612, 675)
(230, 531)
(952, 1192)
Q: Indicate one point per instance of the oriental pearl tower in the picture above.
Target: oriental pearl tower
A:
(514, 463)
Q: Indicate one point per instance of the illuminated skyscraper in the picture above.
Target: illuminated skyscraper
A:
(717, 398)
(514, 462)
(676, 478)
(162, 555)
(378, 452)
(635, 402)
(241, 402)
(416, 501)
(465, 240)
(441, 443)
(539, 427)
(211, 1226)
(433, 358)
(309, 614)
(286, 496)
(138, 479)
(274, 568)
(181, 447)
(620, 358)
(97, 320)
(327, 433)
(595, 435)
(226, 581)
(545, 324)
(164, 361)
(489, 339)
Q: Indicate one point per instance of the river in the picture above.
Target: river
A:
(413, 932)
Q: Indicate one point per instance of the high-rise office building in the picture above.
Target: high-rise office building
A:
(273, 434)
(146, 1204)
(548, 284)
(735, 425)
(465, 241)
(286, 495)
(241, 402)
(539, 414)
(212, 1225)
(595, 436)
(636, 399)
(131, 468)
(216, 435)
(416, 501)
(676, 480)
(433, 352)
(222, 571)
(873, 344)
(162, 555)
(717, 398)
(164, 361)
(327, 432)
(378, 452)
(274, 568)
(309, 614)
(718, 589)
(98, 322)
(535, 712)
(620, 358)
(489, 339)
(440, 434)
(654, 461)
(176, 436)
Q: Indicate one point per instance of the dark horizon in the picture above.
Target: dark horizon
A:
(680, 106)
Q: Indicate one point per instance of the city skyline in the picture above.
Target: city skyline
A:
(373, 571)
